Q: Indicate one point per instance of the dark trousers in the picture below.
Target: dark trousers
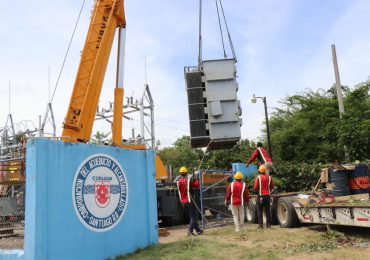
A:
(190, 211)
(263, 202)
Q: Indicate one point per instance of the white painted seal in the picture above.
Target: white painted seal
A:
(100, 192)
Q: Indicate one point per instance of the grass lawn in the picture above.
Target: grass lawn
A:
(276, 243)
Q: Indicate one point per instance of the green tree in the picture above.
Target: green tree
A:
(181, 154)
(222, 159)
(101, 138)
(354, 129)
(307, 127)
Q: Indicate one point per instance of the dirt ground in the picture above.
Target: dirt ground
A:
(11, 243)
(176, 233)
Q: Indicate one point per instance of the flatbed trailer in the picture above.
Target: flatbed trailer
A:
(333, 205)
(346, 213)
(289, 210)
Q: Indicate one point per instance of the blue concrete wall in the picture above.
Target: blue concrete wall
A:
(246, 171)
(17, 254)
(53, 229)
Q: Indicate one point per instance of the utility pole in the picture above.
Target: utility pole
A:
(337, 81)
(254, 100)
(267, 126)
(339, 90)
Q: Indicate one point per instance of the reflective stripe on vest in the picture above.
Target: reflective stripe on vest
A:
(178, 189)
(261, 153)
(269, 184)
(187, 186)
(260, 184)
(232, 193)
(243, 193)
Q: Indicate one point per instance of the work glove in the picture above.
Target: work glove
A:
(225, 203)
(274, 190)
(246, 165)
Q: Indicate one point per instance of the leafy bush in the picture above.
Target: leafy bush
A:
(297, 176)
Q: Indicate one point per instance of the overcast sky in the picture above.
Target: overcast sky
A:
(282, 47)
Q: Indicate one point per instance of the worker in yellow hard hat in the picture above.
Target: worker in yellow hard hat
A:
(238, 193)
(185, 185)
(264, 185)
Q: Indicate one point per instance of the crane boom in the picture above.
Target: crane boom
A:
(107, 15)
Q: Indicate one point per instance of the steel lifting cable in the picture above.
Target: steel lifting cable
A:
(69, 46)
(211, 141)
(223, 45)
(219, 24)
(228, 32)
(200, 35)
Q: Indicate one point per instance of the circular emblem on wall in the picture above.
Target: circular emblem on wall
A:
(100, 192)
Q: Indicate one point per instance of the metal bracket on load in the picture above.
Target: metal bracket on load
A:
(351, 213)
(334, 213)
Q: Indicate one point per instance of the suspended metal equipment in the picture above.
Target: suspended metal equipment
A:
(214, 109)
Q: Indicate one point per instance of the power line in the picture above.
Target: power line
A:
(179, 122)
(166, 134)
(69, 46)
(172, 127)
(134, 119)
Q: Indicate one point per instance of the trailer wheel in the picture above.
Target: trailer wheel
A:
(251, 212)
(169, 221)
(286, 214)
(177, 219)
(274, 218)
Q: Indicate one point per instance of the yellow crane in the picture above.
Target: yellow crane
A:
(107, 17)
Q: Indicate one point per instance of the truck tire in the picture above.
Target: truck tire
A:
(251, 212)
(169, 221)
(274, 218)
(286, 213)
(177, 219)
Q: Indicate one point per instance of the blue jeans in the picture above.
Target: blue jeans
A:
(190, 211)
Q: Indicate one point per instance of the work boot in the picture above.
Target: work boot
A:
(268, 225)
(260, 226)
(200, 231)
(190, 233)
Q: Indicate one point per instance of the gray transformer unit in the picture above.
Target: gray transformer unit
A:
(214, 110)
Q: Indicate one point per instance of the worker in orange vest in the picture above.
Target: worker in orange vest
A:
(185, 185)
(238, 193)
(264, 185)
